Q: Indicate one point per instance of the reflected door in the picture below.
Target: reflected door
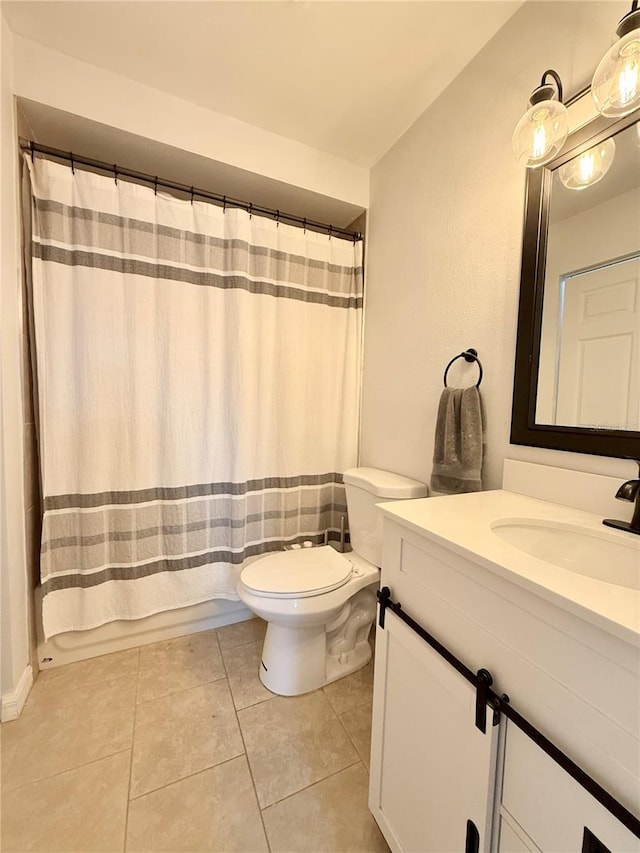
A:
(598, 373)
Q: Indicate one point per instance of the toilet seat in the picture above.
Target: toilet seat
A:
(298, 574)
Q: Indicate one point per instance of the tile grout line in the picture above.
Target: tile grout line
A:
(254, 704)
(133, 740)
(137, 687)
(246, 754)
(36, 697)
(6, 790)
(346, 710)
(330, 775)
(355, 745)
(236, 645)
(183, 637)
(317, 782)
(182, 690)
(176, 693)
(188, 776)
(184, 778)
(348, 734)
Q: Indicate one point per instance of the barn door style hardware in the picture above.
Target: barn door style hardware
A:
(472, 842)
(482, 682)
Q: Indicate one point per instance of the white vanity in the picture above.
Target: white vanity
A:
(548, 600)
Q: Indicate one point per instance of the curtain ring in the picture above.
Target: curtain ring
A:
(192, 191)
(277, 218)
(330, 231)
(33, 151)
(73, 168)
(224, 204)
(250, 209)
(115, 173)
(155, 186)
(304, 225)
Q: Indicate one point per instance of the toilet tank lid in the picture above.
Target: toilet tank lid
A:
(385, 484)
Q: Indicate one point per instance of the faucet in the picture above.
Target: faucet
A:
(629, 491)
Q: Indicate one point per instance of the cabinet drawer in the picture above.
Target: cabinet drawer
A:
(551, 807)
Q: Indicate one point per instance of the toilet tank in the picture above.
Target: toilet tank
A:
(365, 487)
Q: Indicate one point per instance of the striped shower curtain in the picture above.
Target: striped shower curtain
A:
(198, 382)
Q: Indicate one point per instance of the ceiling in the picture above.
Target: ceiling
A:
(347, 78)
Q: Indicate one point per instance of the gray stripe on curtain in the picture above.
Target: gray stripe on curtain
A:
(143, 535)
(190, 527)
(171, 493)
(129, 266)
(119, 573)
(79, 226)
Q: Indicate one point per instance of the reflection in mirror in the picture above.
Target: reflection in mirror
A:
(589, 369)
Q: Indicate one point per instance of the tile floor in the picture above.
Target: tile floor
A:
(178, 746)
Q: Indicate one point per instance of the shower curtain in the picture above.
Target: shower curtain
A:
(198, 385)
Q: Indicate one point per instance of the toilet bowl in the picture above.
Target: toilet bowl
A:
(319, 605)
(317, 628)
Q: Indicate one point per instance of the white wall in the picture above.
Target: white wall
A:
(444, 243)
(14, 631)
(49, 77)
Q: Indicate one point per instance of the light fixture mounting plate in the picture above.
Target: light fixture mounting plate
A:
(631, 21)
(545, 92)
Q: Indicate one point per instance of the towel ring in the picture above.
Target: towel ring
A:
(469, 355)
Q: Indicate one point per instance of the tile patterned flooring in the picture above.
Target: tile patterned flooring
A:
(177, 746)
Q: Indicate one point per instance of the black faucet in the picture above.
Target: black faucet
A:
(629, 491)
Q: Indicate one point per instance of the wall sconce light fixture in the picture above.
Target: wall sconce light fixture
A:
(543, 129)
(588, 168)
(616, 83)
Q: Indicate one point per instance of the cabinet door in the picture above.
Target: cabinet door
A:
(552, 808)
(432, 770)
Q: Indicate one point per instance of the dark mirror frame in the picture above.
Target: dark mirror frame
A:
(524, 430)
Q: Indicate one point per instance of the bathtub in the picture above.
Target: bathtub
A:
(126, 634)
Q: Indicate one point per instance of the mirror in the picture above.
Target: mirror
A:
(577, 378)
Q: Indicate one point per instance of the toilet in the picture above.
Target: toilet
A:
(319, 604)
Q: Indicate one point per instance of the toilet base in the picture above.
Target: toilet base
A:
(298, 660)
(293, 674)
(355, 660)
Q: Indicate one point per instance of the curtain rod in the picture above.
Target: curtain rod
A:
(224, 200)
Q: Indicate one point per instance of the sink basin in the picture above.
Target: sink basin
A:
(591, 553)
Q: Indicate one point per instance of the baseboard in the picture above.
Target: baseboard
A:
(13, 701)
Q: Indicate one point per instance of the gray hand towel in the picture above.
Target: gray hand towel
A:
(459, 443)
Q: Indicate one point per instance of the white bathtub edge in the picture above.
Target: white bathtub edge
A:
(118, 636)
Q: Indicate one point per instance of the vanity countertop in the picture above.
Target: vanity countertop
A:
(463, 523)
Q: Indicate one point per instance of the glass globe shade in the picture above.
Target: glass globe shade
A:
(588, 168)
(616, 83)
(540, 133)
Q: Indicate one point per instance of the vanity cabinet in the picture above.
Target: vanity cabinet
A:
(432, 770)
(543, 809)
